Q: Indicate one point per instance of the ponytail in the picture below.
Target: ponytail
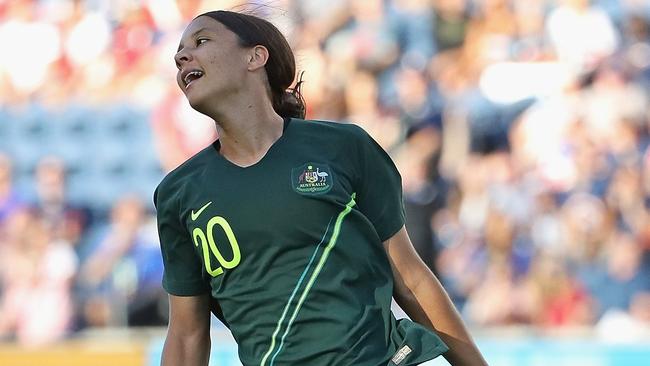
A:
(290, 102)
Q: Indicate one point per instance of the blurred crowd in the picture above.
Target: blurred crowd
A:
(521, 129)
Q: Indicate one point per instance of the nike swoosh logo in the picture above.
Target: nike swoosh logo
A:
(195, 215)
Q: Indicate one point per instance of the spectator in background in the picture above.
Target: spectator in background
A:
(581, 34)
(367, 40)
(553, 296)
(363, 108)
(10, 200)
(485, 305)
(68, 222)
(36, 272)
(413, 22)
(424, 188)
(119, 281)
(451, 19)
(530, 43)
(619, 275)
(416, 103)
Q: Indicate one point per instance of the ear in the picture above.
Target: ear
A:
(257, 57)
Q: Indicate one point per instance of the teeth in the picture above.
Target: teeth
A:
(193, 75)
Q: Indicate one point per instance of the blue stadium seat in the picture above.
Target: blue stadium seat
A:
(126, 123)
(107, 151)
(4, 125)
(7, 131)
(76, 123)
(33, 123)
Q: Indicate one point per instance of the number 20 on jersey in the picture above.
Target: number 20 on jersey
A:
(208, 244)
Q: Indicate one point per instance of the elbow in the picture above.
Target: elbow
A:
(186, 348)
(416, 280)
(406, 288)
(189, 339)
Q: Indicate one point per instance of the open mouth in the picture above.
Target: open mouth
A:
(191, 77)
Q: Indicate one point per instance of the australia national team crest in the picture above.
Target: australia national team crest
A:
(312, 178)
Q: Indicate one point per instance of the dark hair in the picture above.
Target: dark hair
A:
(281, 65)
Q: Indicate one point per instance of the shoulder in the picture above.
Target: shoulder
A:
(345, 130)
(171, 186)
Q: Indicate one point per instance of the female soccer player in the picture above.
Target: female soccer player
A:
(290, 231)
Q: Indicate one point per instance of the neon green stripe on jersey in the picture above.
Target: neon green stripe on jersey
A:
(314, 275)
(293, 294)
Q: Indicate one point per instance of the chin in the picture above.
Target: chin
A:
(198, 104)
(200, 108)
(205, 101)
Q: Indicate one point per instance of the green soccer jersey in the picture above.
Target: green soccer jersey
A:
(291, 248)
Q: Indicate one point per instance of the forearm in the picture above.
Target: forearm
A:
(427, 303)
(190, 350)
(421, 295)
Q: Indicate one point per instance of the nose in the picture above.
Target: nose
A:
(182, 57)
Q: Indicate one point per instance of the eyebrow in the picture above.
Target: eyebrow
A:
(180, 47)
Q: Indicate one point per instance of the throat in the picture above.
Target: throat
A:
(248, 149)
(240, 156)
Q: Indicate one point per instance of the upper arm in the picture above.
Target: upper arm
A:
(189, 315)
(188, 335)
(425, 301)
(182, 274)
(408, 268)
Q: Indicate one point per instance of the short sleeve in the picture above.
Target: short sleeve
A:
(182, 274)
(379, 187)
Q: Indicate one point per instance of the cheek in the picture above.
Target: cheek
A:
(227, 64)
(216, 61)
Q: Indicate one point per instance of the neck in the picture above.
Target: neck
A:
(247, 128)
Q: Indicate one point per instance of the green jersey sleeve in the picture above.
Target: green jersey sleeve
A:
(182, 274)
(378, 187)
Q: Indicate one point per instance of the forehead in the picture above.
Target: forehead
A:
(208, 25)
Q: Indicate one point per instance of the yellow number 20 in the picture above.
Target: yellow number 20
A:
(208, 241)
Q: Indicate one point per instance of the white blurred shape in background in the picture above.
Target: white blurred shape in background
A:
(88, 39)
(509, 82)
(29, 49)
